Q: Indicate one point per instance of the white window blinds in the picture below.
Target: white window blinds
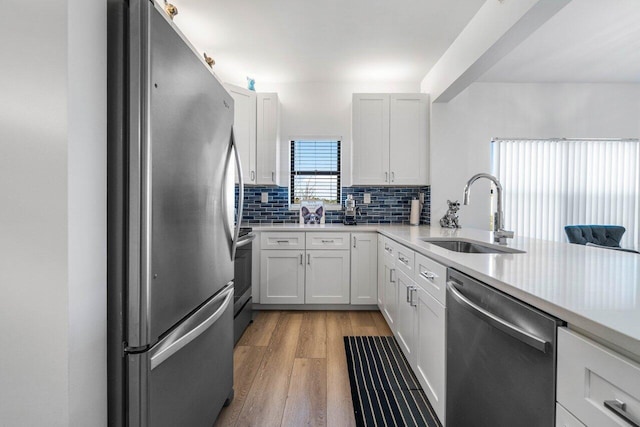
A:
(315, 171)
(552, 183)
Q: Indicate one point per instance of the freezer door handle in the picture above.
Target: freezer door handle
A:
(188, 332)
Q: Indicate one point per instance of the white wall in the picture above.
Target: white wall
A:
(52, 314)
(322, 109)
(462, 129)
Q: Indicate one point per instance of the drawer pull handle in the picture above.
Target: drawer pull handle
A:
(354, 241)
(391, 279)
(308, 259)
(282, 241)
(328, 241)
(301, 262)
(620, 409)
(408, 290)
(404, 260)
(429, 275)
(412, 303)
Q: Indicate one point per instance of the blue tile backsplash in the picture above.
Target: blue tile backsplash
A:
(389, 205)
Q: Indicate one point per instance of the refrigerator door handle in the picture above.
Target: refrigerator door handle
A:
(236, 234)
(188, 332)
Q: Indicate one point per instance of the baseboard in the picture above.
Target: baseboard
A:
(310, 307)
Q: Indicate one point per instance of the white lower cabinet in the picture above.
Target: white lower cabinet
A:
(381, 282)
(364, 268)
(282, 276)
(327, 277)
(597, 385)
(565, 419)
(430, 349)
(414, 306)
(390, 293)
(406, 317)
(320, 267)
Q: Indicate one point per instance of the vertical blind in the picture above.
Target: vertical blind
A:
(315, 171)
(552, 183)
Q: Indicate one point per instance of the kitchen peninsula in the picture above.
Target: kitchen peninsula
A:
(594, 290)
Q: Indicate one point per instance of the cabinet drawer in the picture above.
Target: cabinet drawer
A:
(390, 248)
(432, 277)
(590, 375)
(565, 419)
(406, 261)
(316, 240)
(282, 240)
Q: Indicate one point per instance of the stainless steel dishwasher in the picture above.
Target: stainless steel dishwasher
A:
(501, 358)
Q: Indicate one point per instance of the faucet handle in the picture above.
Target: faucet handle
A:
(501, 236)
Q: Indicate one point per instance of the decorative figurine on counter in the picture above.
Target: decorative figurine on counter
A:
(251, 84)
(450, 219)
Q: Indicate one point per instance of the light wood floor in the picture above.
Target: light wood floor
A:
(290, 369)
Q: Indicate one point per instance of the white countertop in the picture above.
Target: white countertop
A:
(594, 290)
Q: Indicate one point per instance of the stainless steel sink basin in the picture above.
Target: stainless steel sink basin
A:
(470, 247)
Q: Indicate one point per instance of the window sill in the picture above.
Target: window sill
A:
(333, 207)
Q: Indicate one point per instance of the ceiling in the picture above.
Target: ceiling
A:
(326, 40)
(588, 41)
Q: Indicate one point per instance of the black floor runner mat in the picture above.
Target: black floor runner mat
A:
(383, 387)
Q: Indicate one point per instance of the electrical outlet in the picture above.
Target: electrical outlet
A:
(367, 198)
(264, 198)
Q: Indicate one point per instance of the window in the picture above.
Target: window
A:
(552, 183)
(315, 171)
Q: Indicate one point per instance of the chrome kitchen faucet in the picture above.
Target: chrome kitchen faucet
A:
(500, 235)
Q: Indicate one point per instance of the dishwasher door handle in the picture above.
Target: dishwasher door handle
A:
(506, 327)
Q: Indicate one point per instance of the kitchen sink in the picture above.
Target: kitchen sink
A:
(470, 246)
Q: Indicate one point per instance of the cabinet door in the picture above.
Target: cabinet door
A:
(430, 349)
(327, 277)
(244, 129)
(390, 293)
(282, 277)
(409, 139)
(381, 273)
(406, 317)
(267, 138)
(370, 132)
(364, 268)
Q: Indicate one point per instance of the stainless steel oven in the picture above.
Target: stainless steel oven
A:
(242, 312)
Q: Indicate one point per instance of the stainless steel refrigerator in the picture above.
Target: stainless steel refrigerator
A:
(172, 237)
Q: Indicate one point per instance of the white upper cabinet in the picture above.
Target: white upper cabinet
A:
(409, 138)
(370, 130)
(244, 129)
(268, 110)
(390, 139)
(255, 124)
